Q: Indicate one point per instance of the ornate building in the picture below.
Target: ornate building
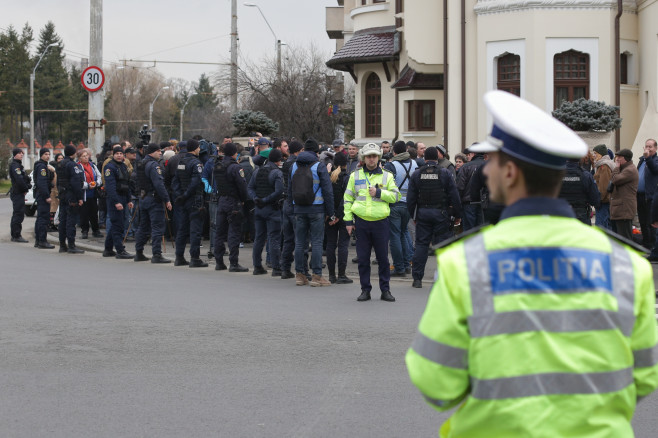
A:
(422, 66)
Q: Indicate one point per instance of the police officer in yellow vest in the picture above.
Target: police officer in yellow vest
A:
(369, 191)
(539, 325)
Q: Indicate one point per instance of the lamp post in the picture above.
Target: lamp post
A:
(153, 103)
(32, 76)
(277, 41)
(182, 113)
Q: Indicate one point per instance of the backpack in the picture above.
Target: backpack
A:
(302, 185)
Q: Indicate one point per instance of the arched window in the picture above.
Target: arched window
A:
(570, 76)
(509, 74)
(373, 106)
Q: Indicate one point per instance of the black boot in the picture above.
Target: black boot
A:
(286, 275)
(157, 258)
(259, 270)
(386, 296)
(332, 277)
(84, 235)
(365, 295)
(196, 262)
(140, 257)
(219, 265)
(418, 284)
(211, 255)
(18, 239)
(276, 272)
(343, 279)
(75, 250)
(124, 255)
(237, 268)
(109, 253)
(180, 261)
(63, 247)
(44, 245)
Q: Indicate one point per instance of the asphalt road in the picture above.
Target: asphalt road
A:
(110, 348)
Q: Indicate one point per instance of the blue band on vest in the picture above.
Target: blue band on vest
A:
(526, 152)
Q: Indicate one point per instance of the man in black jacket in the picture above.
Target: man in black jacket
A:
(20, 184)
(648, 171)
(472, 210)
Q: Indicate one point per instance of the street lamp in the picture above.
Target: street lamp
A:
(277, 41)
(32, 157)
(182, 112)
(153, 103)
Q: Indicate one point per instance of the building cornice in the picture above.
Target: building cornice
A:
(484, 7)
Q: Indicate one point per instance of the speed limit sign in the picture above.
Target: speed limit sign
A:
(93, 78)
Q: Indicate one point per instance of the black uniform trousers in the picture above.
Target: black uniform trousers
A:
(151, 223)
(337, 237)
(432, 226)
(43, 219)
(643, 215)
(267, 222)
(373, 235)
(190, 226)
(114, 237)
(69, 213)
(89, 215)
(18, 215)
(229, 229)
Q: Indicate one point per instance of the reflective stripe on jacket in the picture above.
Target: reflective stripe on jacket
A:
(541, 326)
(358, 200)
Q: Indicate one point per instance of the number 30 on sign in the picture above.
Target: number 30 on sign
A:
(93, 79)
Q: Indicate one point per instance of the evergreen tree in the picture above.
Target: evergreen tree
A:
(15, 68)
(51, 86)
(206, 98)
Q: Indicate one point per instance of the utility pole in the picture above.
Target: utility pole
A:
(234, 56)
(95, 130)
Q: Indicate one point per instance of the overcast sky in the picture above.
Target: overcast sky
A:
(155, 29)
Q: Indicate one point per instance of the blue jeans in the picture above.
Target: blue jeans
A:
(398, 220)
(472, 216)
(313, 223)
(603, 216)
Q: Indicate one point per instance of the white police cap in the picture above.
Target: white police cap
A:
(524, 131)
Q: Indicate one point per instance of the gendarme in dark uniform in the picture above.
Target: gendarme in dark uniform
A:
(266, 189)
(43, 183)
(20, 185)
(69, 185)
(188, 189)
(153, 198)
(117, 188)
(232, 190)
(432, 191)
(580, 191)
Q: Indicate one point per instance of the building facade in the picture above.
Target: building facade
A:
(421, 67)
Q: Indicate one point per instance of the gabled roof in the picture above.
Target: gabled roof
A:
(412, 80)
(378, 44)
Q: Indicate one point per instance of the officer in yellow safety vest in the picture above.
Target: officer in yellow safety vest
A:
(369, 191)
(539, 325)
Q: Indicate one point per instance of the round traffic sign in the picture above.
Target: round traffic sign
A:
(92, 78)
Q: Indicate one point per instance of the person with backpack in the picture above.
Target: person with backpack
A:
(369, 192)
(402, 167)
(288, 223)
(337, 237)
(312, 197)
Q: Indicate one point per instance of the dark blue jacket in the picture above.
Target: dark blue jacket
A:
(275, 179)
(42, 180)
(449, 188)
(308, 158)
(154, 173)
(112, 169)
(19, 179)
(194, 166)
(650, 175)
(74, 190)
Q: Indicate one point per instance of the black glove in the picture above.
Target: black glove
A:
(259, 203)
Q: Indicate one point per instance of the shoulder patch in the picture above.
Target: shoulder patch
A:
(623, 240)
(77, 169)
(459, 237)
(107, 172)
(43, 172)
(199, 167)
(18, 171)
(241, 172)
(159, 170)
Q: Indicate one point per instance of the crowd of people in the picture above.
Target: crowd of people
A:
(298, 201)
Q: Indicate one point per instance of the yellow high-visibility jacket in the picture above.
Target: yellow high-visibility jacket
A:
(539, 326)
(357, 195)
